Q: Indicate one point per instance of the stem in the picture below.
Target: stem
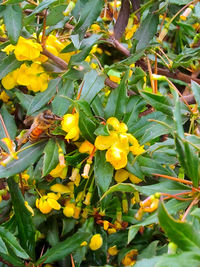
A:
(61, 63)
(194, 202)
(156, 72)
(44, 29)
(4, 127)
(173, 178)
(21, 183)
(150, 74)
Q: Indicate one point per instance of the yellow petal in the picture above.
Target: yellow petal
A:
(121, 175)
(104, 142)
(60, 188)
(53, 204)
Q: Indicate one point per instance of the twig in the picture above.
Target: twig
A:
(61, 63)
(173, 178)
(194, 202)
(150, 74)
(4, 127)
(44, 30)
(21, 183)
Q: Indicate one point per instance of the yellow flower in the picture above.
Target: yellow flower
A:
(111, 231)
(116, 156)
(60, 188)
(95, 28)
(104, 142)
(115, 79)
(69, 209)
(121, 175)
(130, 258)
(70, 125)
(113, 250)
(8, 49)
(27, 49)
(96, 242)
(106, 225)
(10, 80)
(137, 150)
(86, 147)
(4, 97)
(59, 171)
(83, 244)
(48, 202)
(134, 179)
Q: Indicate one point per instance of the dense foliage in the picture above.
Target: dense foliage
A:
(99, 133)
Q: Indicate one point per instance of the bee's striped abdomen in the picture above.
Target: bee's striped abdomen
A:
(34, 135)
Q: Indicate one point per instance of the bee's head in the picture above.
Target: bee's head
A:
(48, 115)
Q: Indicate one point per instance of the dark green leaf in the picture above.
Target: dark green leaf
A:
(147, 29)
(181, 233)
(55, 14)
(159, 102)
(43, 5)
(87, 123)
(149, 166)
(103, 172)
(23, 217)
(196, 91)
(76, 159)
(9, 123)
(50, 157)
(177, 115)
(13, 21)
(88, 15)
(121, 188)
(102, 130)
(10, 240)
(9, 64)
(43, 98)
(92, 85)
(24, 99)
(116, 106)
(25, 158)
(64, 248)
(60, 104)
(180, 260)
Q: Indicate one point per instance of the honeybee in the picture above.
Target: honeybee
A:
(40, 127)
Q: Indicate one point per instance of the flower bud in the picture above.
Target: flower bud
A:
(96, 242)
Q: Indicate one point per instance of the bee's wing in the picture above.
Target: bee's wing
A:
(29, 120)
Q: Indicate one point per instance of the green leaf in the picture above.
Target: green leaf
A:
(13, 22)
(11, 241)
(23, 217)
(64, 248)
(50, 157)
(196, 91)
(87, 123)
(180, 260)
(92, 85)
(147, 29)
(25, 158)
(159, 102)
(188, 157)
(148, 262)
(55, 15)
(24, 99)
(88, 15)
(43, 5)
(121, 187)
(149, 166)
(9, 123)
(177, 115)
(81, 56)
(102, 130)
(43, 98)
(60, 104)
(149, 251)
(132, 232)
(103, 172)
(9, 64)
(15, 261)
(181, 233)
(76, 159)
(117, 101)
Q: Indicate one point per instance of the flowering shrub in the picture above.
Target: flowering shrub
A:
(99, 133)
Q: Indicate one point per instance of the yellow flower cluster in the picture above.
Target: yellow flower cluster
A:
(48, 202)
(33, 77)
(118, 144)
(122, 175)
(70, 125)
